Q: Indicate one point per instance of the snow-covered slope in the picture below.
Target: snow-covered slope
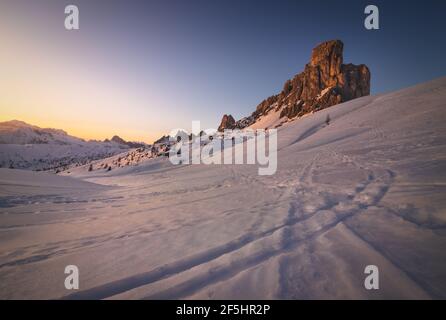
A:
(19, 132)
(367, 189)
(26, 146)
(269, 121)
(126, 160)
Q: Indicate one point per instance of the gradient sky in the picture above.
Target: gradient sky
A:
(141, 68)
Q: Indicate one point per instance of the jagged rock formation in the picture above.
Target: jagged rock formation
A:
(325, 81)
(228, 122)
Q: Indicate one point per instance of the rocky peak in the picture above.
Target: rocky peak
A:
(325, 81)
(227, 122)
(328, 57)
(118, 139)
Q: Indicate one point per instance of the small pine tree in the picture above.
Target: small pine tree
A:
(327, 120)
(90, 168)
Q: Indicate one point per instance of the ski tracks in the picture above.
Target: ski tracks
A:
(310, 214)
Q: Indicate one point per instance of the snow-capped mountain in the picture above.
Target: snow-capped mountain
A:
(25, 146)
(19, 132)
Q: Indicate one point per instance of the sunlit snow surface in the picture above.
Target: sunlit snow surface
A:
(370, 188)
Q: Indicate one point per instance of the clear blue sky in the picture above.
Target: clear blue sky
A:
(142, 68)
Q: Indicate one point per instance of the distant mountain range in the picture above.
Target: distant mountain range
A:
(26, 146)
(131, 144)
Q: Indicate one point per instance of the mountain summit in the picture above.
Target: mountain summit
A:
(325, 82)
(131, 144)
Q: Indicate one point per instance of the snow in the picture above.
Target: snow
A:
(324, 92)
(269, 121)
(133, 157)
(24, 146)
(369, 188)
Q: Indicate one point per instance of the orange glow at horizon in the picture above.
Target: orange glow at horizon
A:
(87, 85)
(86, 132)
(49, 87)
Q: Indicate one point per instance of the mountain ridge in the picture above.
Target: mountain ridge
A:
(27, 146)
(324, 82)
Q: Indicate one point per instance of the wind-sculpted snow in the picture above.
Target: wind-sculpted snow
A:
(366, 189)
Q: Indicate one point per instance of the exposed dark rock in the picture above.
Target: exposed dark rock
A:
(227, 122)
(325, 81)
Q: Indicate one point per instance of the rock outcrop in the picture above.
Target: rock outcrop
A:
(325, 81)
(227, 122)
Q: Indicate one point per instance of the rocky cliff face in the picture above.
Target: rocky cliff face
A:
(227, 122)
(325, 81)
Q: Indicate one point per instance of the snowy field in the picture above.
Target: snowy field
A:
(368, 189)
